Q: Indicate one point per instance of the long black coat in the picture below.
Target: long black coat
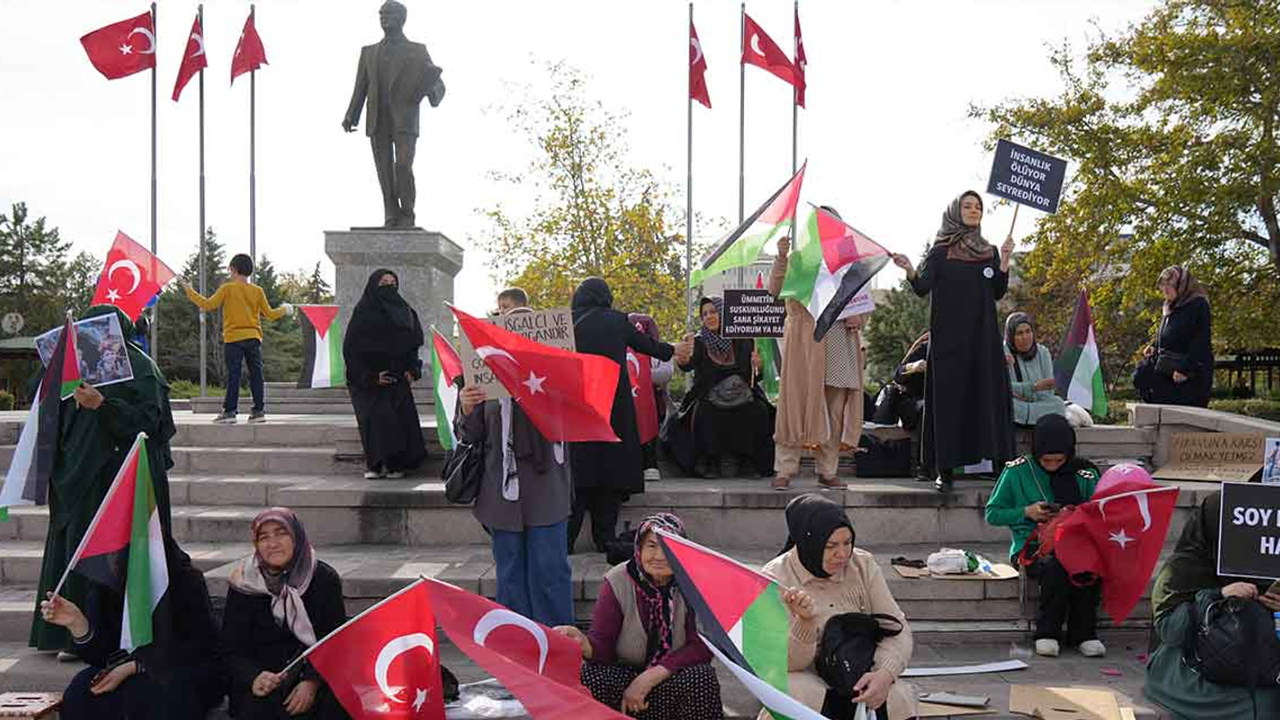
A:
(967, 397)
(600, 330)
(1188, 331)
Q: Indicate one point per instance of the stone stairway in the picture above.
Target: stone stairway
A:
(288, 398)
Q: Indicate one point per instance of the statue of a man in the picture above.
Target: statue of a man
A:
(393, 77)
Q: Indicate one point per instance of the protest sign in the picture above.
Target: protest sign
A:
(1212, 457)
(1249, 531)
(549, 327)
(1027, 177)
(859, 304)
(1271, 467)
(752, 314)
(100, 344)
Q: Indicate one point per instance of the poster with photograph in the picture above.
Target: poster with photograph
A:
(1271, 462)
(100, 342)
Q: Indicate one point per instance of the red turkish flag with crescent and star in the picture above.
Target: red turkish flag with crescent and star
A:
(801, 62)
(536, 664)
(250, 55)
(760, 50)
(697, 69)
(1118, 535)
(193, 58)
(130, 277)
(124, 48)
(384, 663)
(640, 372)
(567, 395)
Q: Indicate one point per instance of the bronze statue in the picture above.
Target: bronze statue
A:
(393, 77)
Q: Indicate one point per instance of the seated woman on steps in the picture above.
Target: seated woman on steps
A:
(1030, 491)
(1030, 372)
(183, 677)
(643, 653)
(281, 600)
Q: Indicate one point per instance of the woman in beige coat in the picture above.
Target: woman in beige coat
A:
(820, 399)
(825, 576)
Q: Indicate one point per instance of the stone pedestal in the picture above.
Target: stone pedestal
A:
(426, 262)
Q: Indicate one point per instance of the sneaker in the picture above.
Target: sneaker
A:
(1093, 649)
(394, 475)
(652, 474)
(944, 484)
(781, 482)
(1048, 647)
(372, 475)
(833, 483)
(257, 417)
(225, 418)
(67, 657)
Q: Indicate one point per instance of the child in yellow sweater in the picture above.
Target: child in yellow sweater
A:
(241, 302)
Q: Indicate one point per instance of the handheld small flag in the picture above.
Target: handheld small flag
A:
(770, 221)
(322, 364)
(446, 368)
(1078, 373)
(832, 261)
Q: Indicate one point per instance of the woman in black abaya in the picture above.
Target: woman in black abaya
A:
(381, 354)
(967, 408)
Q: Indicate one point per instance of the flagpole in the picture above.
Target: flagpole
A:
(688, 193)
(795, 90)
(155, 32)
(742, 109)
(253, 174)
(204, 349)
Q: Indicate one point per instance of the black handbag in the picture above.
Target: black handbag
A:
(1168, 361)
(730, 393)
(847, 648)
(1234, 644)
(463, 470)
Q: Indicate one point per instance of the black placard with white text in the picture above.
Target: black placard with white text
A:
(1027, 177)
(1249, 535)
(752, 314)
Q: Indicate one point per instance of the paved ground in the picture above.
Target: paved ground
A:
(1121, 671)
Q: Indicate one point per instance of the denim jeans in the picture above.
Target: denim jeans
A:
(251, 352)
(534, 578)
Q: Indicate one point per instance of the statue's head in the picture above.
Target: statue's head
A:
(392, 15)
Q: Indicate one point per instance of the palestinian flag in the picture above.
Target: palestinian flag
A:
(446, 368)
(781, 705)
(741, 247)
(739, 610)
(27, 481)
(770, 357)
(831, 262)
(124, 550)
(1078, 373)
(322, 347)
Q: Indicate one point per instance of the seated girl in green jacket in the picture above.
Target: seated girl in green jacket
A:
(1030, 491)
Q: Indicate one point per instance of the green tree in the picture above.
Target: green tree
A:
(177, 327)
(898, 320)
(1172, 129)
(33, 270)
(594, 214)
(317, 290)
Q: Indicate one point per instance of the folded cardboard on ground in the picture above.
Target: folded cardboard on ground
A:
(1058, 703)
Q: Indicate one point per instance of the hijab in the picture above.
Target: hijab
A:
(251, 575)
(962, 242)
(811, 518)
(718, 348)
(1054, 435)
(1011, 329)
(1185, 283)
(382, 320)
(656, 608)
(591, 293)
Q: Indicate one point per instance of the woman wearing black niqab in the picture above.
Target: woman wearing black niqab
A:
(381, 355)
(605, 474)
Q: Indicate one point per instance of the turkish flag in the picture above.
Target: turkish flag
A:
(130, 277)
(1118, 535)
(801, 61)
(760, 50)
(193, 58)
(640, 372)
(567, 395)
(124, 48)
(250, 55)
(384, 663)
(533, 662)
(697, 69)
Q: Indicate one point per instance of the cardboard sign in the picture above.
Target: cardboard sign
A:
(1249, 531)
(1271, 463)
(549, 327)
(859, 304)
(1027, 177)
(752, 314)
(1213, 457)
(1059, 703)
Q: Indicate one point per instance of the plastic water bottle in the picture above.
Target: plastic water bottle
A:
(1275, 618)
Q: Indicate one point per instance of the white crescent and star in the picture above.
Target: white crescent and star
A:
(129, 265)
(1144, 508)
(534, 383)
(112, 295)
(151, 50)
(498, 617)
(487, 351)
(197, 37)
(1121, 539)
(635, 361)
(697, 49)
(390, 652)
(755, 44)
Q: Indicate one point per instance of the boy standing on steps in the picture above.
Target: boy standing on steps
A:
(241, 302)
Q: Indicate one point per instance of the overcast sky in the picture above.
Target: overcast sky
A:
(885, 130)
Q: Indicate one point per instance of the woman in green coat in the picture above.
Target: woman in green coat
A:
(1186, 586)
(1030, 491)
(1030, 372)
(96, 429)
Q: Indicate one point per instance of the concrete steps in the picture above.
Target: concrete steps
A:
(285, 398)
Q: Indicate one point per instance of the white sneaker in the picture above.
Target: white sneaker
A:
(395, 475)
(372, 475)
(1048, 647)
(1093, 649)
(652, 474)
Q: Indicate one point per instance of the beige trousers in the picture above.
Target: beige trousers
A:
(786, 459)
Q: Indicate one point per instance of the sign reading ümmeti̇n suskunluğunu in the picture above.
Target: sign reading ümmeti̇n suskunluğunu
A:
(752, 314)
